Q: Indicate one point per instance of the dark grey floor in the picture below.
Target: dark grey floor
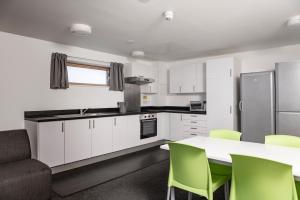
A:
(147, 184)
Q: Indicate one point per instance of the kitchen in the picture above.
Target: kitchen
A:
(174, 90)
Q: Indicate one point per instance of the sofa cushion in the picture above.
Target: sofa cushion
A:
(26, 179)
(14, 146)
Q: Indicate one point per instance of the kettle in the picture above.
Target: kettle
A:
(122, 107)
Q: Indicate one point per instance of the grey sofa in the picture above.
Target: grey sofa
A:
(21, 178)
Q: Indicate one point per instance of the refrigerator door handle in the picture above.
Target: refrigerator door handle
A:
(241, 105)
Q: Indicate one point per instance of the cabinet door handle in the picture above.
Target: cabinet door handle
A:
(115, 121)
(230, 109)
(63, 127)
(89, 124)
(194, 88)
(181, 117)
(93, 124)
(150, 89)
(179, 89)
(241, 105)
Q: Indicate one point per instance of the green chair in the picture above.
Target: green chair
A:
(260, 179)
(283, 140)
(223, 134)
(287, 141)
(189, 170)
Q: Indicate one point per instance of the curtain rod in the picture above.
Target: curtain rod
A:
(87, 59)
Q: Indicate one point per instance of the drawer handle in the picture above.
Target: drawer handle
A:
(194, 134)
(193, 115)
(194, 128)
(194, 122)
(62, 127)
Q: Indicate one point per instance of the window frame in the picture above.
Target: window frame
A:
(88, 66)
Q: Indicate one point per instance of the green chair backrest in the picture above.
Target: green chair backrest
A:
(260, 179)
(283, 140)
(225, 134)
(189, 169)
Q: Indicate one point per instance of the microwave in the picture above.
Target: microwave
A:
(197, 105)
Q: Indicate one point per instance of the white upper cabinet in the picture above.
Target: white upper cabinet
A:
(77, 140)
(221, 79)
(102, 136)
(187, 79)
(51, 143)
(145, 70)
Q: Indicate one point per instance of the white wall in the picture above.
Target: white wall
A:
(25, 80)
(25, 71)
(252, 61)
(258, 60)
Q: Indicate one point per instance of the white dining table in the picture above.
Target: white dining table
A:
(219, 150)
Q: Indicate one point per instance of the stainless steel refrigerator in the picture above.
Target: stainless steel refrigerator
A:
(257, 105)
(288, 98)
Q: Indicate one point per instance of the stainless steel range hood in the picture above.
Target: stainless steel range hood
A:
(138, 80)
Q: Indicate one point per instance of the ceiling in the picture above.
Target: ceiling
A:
(200, 27)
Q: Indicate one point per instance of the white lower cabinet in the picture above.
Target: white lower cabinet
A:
(126, 132)
(163, 126)
(102, 136)
(176, 127)
(77, 140)
(63, 142)
(187, 125)
(51, 143)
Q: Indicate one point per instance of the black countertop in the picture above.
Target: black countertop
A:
(62, 115)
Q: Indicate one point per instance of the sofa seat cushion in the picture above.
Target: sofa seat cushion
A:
(26, 179)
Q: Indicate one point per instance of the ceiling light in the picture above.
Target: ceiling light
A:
(138, 53)
(144, 1)
(293, 21)
(130, 41)
(169, 15)
(81, 29)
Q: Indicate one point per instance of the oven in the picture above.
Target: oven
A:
(148, 125)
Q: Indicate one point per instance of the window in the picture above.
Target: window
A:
(83, 74)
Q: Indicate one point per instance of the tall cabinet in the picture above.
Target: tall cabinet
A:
(222, 77)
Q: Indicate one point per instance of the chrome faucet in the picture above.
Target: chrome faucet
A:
(83, 111)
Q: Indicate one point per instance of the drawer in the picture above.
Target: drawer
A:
(189, 135)
(193, 117)
(195, 123)
(195, 129)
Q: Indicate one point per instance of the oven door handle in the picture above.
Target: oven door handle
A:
(148, 120)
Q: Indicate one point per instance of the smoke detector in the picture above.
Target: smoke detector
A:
(294, 21)
(81, 29)
(169, 15)
(138, 53)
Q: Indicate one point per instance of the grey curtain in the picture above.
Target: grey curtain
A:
(116, 77)
(58, 72)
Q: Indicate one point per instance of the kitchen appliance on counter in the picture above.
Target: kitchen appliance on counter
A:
(288, 98)
(132, 92)
(197, 105)
(122, 107)
(257, 105)
(148, 124)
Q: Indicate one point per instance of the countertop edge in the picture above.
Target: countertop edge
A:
(55, 118)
